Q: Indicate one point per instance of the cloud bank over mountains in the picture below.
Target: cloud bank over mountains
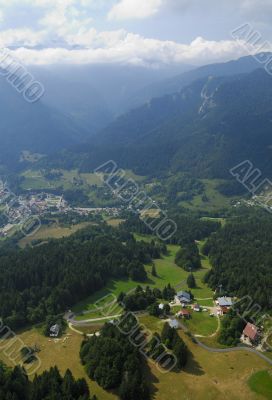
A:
(73, 31)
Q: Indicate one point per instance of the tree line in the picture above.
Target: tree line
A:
(141, 299)
(50, 385)
(190, 227)
(188, 257)
(241, 258)
(115, 363)
(48, 279)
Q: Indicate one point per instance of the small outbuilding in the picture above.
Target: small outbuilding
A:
(173, 323)
(196, 307)
(54, 330)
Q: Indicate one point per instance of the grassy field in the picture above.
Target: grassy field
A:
(261, 383)
(63, 354)
(145, 238)
(201, 323)
(215, 201)
(35, 179)
(115, 222)
(167, 271)
(89, 329)
(208, 376)
(206, 303)
(104, 313)
(151, 323)
(53, 231)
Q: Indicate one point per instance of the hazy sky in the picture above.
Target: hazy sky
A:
(142, 32)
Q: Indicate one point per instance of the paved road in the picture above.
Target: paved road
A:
(228, 350)
(233, 349)
(89, 321)
(203, 346)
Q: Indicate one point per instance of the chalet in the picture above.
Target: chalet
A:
(251, 333)
(173, 323)
(184, 297)
(184, 314)
(224, 302)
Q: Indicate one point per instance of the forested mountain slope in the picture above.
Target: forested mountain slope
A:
(205, 129)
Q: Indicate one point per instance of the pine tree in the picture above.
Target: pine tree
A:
(154, 271)
(191, 281)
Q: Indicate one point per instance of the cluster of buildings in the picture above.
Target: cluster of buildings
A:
(20, 208)
(184, 299)
(251, 334)
(42, 203)
(109, 211)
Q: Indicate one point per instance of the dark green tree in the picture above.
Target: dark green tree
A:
(191, 282)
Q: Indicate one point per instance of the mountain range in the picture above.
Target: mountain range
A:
(206, 128)
(205, 121)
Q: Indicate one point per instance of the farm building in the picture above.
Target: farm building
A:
(184, 314)
(251, 333)
(183, 297)
(224, 302)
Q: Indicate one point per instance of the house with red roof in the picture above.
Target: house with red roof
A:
(184, 314)
(251, 333)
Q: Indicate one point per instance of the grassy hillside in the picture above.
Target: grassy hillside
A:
(206, 376)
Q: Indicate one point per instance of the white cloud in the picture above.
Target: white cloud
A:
(134, 9)
(67, 23)
(127, 48)
(21, 37)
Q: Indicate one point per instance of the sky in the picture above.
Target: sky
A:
(140, 32)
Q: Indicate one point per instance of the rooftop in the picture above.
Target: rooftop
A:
(184, 295)
(224, 301)
(174, 323)
(251, 331)
(184, 312)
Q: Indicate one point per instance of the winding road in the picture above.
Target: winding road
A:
(227, 350)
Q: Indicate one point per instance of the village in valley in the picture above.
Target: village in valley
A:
(18, 210)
